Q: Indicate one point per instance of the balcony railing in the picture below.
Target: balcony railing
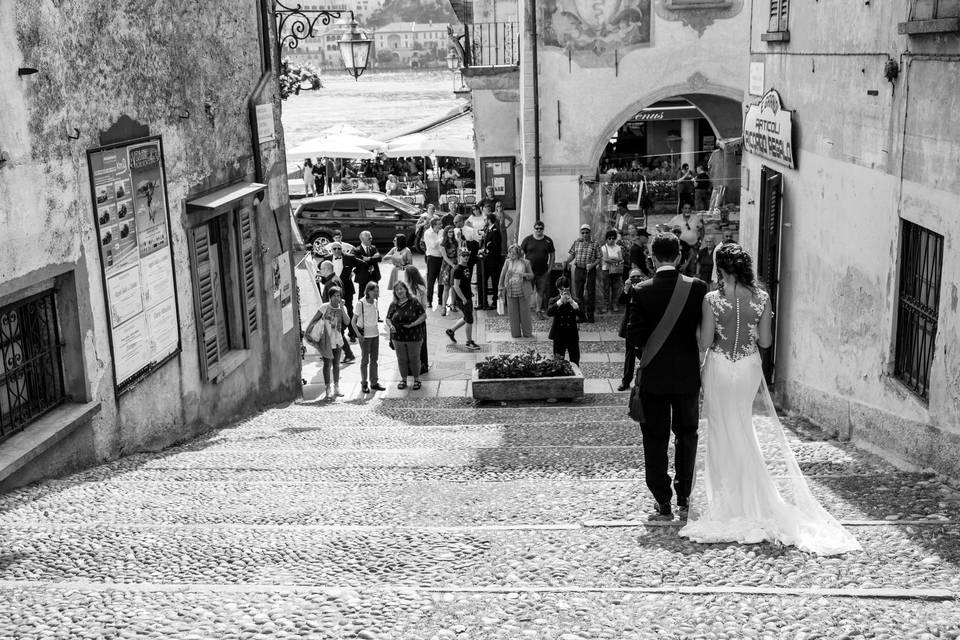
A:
(492, 44)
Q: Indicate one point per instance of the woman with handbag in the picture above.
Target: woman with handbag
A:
(405, 319)
(325, 334)
(418, 289)
(365, 318)
(516, 288)
(611, 264)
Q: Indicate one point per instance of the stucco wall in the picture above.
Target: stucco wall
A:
(152, 61)
(869, 152)
(701, 51)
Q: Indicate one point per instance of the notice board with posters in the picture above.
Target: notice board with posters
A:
(499, 173)
(129, 188)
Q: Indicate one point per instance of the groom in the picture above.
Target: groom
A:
(670, 384)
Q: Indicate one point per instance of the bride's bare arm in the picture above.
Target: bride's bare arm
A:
(764, 330)
(707, 326)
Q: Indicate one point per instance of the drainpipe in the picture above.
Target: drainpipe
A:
(536, 110)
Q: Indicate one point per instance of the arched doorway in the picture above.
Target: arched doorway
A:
(664, 152)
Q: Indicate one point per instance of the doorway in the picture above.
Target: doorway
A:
(768, 255)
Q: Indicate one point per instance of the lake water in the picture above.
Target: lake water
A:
(379, 104)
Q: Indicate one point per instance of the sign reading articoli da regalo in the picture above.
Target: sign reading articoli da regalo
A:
(768, 130)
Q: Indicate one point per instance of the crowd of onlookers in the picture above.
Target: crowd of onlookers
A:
(393, 176)
(472, 266)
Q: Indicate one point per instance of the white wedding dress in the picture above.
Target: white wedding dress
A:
(747, 486)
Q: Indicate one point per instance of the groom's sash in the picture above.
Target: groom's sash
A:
(678, 299)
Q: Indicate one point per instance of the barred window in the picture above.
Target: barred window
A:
(921, 263)
(31, 371)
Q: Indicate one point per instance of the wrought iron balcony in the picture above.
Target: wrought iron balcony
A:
(491, 44)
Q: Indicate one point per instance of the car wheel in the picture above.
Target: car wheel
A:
(322, 234)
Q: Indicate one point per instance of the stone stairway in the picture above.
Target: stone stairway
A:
(433, 518)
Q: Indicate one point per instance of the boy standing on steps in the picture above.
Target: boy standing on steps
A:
(461, 288)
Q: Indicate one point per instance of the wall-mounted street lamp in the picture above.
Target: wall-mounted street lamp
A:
(295, 24)
(455, 65)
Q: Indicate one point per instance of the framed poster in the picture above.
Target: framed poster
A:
(129, 187)
(498, 172)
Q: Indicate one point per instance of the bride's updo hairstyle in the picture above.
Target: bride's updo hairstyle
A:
(735, 262)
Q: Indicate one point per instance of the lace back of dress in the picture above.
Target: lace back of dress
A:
(737, 317)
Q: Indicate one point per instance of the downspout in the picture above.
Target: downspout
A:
(536, 110)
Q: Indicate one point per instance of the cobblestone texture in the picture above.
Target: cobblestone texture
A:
(435, 518)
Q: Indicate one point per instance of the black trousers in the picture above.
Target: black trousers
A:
(433, 275)
(629, 363)
(571, 345)
(664, 413)
(492, 266)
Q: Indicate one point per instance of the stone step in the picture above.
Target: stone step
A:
(80, 611)
(605, 558)
(421, 503)
(398, 465)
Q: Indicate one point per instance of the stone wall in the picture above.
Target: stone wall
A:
(187, 72)
(870, 152)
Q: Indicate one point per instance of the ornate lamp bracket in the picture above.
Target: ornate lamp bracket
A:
(296, 23)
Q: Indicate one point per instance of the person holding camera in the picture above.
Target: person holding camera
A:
(566, 314)
(633, 282)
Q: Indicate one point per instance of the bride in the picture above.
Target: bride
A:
(748, 486)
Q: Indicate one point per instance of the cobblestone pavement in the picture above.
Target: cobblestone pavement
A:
(426, 517)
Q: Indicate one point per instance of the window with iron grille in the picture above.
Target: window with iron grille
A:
(932, 16)
(921, 262)
(778, 29)
(31, 371)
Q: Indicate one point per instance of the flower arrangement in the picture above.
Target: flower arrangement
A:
(528, 364)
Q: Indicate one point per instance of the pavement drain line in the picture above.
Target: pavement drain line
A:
(349, 591)
(311, 528)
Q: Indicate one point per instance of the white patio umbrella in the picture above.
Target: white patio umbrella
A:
(339, 146)
(428, 144)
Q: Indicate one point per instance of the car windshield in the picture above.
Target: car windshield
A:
(403, 206)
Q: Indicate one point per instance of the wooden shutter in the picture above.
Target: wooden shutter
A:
(779, 10)
(248, 271)
(205, 295)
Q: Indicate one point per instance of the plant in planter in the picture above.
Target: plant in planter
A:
(529, 364)
(526, 376)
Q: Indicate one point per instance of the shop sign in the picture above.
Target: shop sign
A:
(768, 130)
(129, 188)
(650, 115)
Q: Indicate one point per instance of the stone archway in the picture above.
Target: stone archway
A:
(721, 107)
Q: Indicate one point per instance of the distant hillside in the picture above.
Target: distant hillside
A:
(412, 11)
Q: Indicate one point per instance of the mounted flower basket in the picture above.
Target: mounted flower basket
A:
(526, 376)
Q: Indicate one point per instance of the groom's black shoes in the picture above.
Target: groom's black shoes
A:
(661, 512)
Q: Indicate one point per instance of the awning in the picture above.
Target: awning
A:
(453, 137)
(462, 115)
(223, 198)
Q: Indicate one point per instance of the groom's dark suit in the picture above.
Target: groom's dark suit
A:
(670, 384)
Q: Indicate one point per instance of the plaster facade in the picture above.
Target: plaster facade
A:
(870, 153)
(188, 73)
(594, 77)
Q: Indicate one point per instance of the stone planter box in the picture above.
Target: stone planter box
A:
(502, 389)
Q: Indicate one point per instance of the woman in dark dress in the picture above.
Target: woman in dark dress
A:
(406, 320)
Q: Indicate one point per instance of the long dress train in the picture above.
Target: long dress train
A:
(748, 486)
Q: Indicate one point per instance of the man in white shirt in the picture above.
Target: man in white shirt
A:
(691, 233)
(432, 241)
